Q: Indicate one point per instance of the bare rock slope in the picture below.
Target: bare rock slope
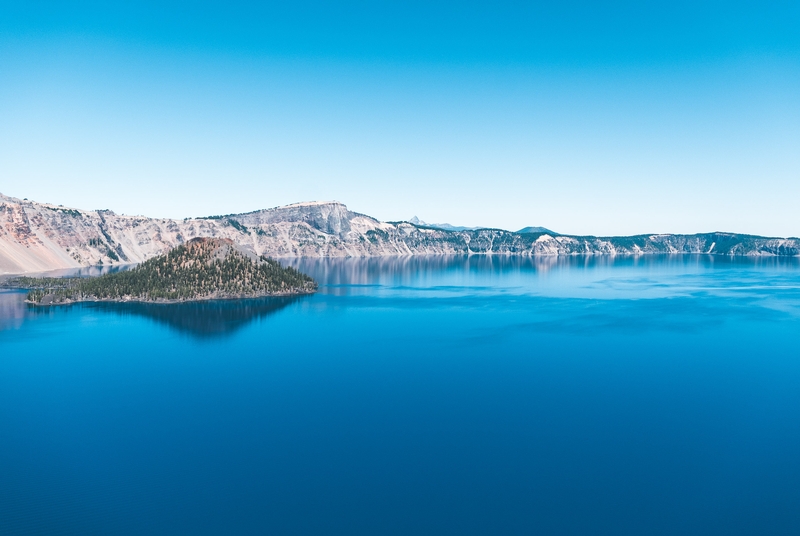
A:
(36, 237)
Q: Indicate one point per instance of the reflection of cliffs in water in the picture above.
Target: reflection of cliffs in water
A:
(338, 272)
(13, 310)
(204, 318)
(345, 275)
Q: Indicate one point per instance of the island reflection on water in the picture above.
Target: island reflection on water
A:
(203, 319)
(211, 318)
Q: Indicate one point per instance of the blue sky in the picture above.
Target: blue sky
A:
(585, 117)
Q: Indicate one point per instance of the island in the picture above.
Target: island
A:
(200, 269)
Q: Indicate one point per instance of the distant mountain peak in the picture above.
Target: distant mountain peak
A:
(536, 229)
(441, 226)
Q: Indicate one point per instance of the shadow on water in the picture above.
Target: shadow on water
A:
(204, 319)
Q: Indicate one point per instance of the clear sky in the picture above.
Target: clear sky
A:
(584, 117)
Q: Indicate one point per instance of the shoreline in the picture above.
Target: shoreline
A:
(753, 256)
(170, 302)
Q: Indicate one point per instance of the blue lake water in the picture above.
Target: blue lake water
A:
(658, 395)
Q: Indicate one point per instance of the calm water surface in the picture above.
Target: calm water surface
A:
(416, 396)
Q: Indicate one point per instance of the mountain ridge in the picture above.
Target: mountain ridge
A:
(38, 237)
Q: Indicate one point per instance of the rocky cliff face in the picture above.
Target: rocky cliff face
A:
(36, 237)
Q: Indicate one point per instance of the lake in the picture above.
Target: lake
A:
(442, 395)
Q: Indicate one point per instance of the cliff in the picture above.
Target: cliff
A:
(36, 237)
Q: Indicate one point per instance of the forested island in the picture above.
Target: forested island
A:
(201, 269)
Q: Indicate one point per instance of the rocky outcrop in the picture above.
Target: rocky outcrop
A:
(330, 218)
(36, 237)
